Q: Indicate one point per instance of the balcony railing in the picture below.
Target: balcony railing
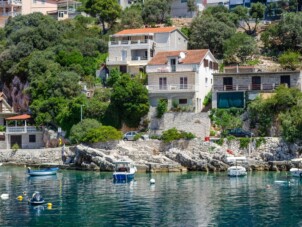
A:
(130, 42)
(171, 88)
(139, 58)
(246, 87)
(22, 129)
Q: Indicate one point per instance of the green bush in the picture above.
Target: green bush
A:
(79, 131)
(173, 134)
(260, 141)
(137, 136)
(155, 137)
(208, 99)
(102, 134)
(244, 142)
(161, 108)
(220, 141)
(2, 128)
(212, 133)
(289, 60)
(15, 147)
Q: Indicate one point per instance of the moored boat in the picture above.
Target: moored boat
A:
(36, 199)
(42, 172)
(236, 170)
(296, 172)
(124, 171)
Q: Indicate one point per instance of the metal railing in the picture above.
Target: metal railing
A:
(22, 129)
(139, 58)
(246, 87)
(171, 87)
(130, 42)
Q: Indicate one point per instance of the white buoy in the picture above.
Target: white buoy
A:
(152, 181)
(4, 196)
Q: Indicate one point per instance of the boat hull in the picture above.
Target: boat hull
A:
(123, 177)
(295, 172)
(236, 171)
(45, 172)
(36, 202)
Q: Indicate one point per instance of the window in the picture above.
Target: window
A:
(43, 2)
(206, 63)
(206, 81)
(163, 83)
(183, 101)
(285, 80)
(228, 83)
(32, 138)
(183, 83)
(173, 65)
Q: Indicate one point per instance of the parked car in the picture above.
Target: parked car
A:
(129, 135)
(239, 132)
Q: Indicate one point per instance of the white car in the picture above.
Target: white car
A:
(129, 135)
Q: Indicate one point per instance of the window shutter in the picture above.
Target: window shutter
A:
(206, 63)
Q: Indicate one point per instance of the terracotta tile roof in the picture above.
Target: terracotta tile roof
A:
(192, 56)
(19, 117)
(145, 31)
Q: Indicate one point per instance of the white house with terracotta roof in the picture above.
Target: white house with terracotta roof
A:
(21, 130)
(183, 78)
(61, 9)
(131, 49)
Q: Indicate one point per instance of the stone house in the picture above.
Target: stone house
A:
(130, 50)
(21, 130)
(183, 78)
(237, 85)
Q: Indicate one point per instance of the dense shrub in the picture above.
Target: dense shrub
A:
(102, 134)
(161, 108)
(79, 131)
(173, 134)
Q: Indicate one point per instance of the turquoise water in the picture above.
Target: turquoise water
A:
(191, 199)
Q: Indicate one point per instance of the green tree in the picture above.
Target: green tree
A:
(239, 47)
(107, 11)
(79, 131)
(251, 17)
(156, 11)
(162, 107)
(210, 33)
(130, 99)
(102, 134)
(132, 18)
(290, 60)
(192, 7)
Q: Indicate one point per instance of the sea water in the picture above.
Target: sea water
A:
(81, 198)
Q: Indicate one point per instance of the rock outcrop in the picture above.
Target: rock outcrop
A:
(154, 155)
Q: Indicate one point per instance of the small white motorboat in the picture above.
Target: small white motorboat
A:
(236, 170)
(296, 172)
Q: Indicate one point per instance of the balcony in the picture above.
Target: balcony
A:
(171, 88)
(246, 87)
(130, 42)
(139, 58)
(22, 129)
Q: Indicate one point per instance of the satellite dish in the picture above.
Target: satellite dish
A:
(182, 55)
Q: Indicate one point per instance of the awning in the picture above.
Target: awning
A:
(19, 117)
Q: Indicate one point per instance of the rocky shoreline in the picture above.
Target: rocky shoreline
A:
(156, 156)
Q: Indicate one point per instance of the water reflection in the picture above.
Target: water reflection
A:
(178, 199)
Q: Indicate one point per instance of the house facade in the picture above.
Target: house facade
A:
(130, 50)
(236, 86)
(61, 9)
(179, 8)
(183, 78)
(21, 131)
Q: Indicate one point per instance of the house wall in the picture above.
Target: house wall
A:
(246, 79)
(172, 78)
(205, 81)
(31, 6)
(25, 140)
